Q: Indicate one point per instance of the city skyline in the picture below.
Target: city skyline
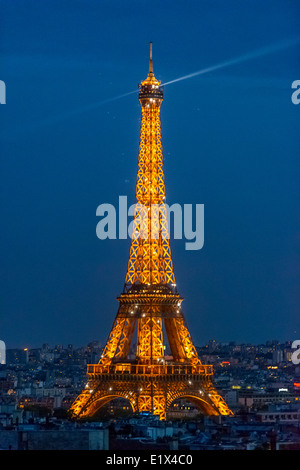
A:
(260, 383)
(229, 142)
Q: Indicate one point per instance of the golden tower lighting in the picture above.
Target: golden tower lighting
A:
(150, 312)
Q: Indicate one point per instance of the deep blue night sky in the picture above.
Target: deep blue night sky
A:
(230, 141)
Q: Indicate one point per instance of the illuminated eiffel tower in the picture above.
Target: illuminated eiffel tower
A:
(150, 306)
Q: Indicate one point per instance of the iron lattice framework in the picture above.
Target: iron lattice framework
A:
(150, 307)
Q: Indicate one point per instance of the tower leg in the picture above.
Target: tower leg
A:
(152, 395)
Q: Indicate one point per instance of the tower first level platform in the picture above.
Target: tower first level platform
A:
(149, 388)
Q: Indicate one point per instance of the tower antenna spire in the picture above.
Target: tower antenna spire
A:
(150, 61)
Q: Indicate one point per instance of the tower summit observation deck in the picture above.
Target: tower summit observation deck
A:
(150, 320)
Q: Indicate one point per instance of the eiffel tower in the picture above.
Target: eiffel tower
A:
(150, 312)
